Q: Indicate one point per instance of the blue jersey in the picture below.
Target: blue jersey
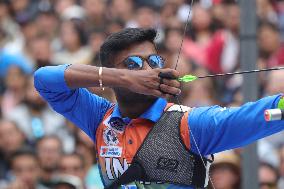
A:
(214, 128)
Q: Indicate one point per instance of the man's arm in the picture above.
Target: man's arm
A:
(83, 108)
(61, 87)
(142, 81)
(217, 129)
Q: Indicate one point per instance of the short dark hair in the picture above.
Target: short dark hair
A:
(48, 137)
(121, 40)
(76, 155)
(24, 151)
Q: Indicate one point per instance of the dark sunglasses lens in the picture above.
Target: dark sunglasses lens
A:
(134, 62)
(156, 61)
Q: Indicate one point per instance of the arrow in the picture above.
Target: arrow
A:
(190, 78)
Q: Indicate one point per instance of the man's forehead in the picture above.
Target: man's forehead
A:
(143, 49)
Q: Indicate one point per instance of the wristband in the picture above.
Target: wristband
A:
(101, 78)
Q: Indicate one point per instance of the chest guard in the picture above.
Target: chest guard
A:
(163, 157)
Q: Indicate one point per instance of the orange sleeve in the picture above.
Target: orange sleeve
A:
(184, 130)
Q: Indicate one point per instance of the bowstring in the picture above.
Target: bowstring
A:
(177, 98)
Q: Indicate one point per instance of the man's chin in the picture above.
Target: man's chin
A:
(144, 98)
(132, 98)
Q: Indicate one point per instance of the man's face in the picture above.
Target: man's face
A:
(223, 176)
(49, 152)
(33, 99)
(71, 165)
(26, 169)
(267, 178)
(11, 138)
(143, 49)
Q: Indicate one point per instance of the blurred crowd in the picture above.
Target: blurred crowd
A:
(40, 149)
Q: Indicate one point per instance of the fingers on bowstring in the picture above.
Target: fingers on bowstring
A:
(168, 82)
(172, 83)
(169, 90)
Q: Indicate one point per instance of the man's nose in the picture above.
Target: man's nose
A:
(146, 65)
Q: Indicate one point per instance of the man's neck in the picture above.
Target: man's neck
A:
(134, 110)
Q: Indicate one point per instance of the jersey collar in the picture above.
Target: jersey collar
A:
(153, 113)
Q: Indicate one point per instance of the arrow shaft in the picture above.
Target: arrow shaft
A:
(241, 72)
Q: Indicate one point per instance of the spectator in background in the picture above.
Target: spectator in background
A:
(48, 24)
(266, 11)
(268, 176)
(34, 116)
(72, 164)
(67, 182)
(122, 10)
(49, 150)
(41, 51)
(22, 9)
(279, 6)
(114, 26)
(62, 5)
(267, 42)
(218, 16)
(145, 17)
(281, 167)
(168, 11)
(11, 139)
(225, 171)
(11, 39)
(173, 38)
(96, 14)
(200, 92)
(15, 83)
(223, 52)
(9, 59)
(200, 36)
(74, 39)
(271, 52)
(267, 152)
(25, 170)
(74, 11)
(85, 147)
(274, 82)
(29, 29)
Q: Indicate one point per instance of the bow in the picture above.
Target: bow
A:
(177, 98)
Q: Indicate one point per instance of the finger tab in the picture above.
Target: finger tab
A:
(167, 75)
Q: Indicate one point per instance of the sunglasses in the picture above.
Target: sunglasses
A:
(136, 62)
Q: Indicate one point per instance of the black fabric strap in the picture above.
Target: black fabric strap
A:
(134, 172)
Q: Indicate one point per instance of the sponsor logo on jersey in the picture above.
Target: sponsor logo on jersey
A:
(115, 168)
(110, 137)
(129, 187)
(117, 124)
(110, 151)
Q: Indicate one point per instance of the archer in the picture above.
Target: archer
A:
(134, 69)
